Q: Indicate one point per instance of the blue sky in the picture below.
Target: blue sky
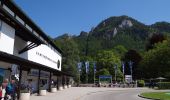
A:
(56, 17)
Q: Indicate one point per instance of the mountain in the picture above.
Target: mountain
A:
(120, 30)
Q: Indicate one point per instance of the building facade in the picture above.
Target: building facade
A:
(26, 52)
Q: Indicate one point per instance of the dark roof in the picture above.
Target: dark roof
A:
(25, 18)
(26, 64)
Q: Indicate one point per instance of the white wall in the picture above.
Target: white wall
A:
(7, 34)
(45, 56)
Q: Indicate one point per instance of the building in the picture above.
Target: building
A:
(26, 52)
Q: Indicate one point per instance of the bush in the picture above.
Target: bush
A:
(141, 83)
(164, 85)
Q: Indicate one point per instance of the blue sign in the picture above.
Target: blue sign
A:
(2, 72)
(105, 76)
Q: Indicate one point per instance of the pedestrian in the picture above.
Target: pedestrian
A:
(0, 91)
(11, 90)
(30, 87)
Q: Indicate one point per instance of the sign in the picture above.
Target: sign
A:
(128, 78)
(2, 72)
(105, 76)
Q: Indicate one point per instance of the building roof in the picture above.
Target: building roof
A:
(13, 7)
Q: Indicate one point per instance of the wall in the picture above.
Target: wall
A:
(7, 34)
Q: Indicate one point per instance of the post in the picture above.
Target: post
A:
(19, 85)
(65, 79)
(50, 82)
(94, 77)
(115, 75)
(79, 78)
(39, 73)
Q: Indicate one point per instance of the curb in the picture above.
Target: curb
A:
(147, 97)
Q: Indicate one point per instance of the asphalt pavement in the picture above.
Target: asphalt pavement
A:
(131, 94)
(94, 93)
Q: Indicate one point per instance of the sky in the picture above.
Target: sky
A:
(56, 17)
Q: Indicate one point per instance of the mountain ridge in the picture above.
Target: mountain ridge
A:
(117, 30)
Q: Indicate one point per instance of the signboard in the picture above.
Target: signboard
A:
(105, 76)
(45, 56)
(128, 78)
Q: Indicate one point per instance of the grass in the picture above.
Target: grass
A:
(157, 95)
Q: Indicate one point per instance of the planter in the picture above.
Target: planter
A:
(60, 88)
(43, 92)
(65, 86)
(24, 96)
(53, 90)
(69, 86)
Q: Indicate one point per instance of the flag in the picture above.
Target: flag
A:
(123, 67)
(130, 64)
(79, 66)
(87, 66)
(115, 67)
(94, 64)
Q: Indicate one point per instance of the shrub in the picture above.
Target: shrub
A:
(164, 85)
(141, 83)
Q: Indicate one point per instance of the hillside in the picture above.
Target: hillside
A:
(122, 30)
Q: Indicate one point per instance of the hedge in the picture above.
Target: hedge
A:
(164, 85)
(141, 83)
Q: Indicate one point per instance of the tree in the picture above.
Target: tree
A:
(103, 71)
(90, 74)
(70, 55)
(108, 60)
(120, 50)
(135, 57)
(154, 39)
(156, 61)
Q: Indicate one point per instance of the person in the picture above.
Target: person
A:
(30, 87)
(0, 91)
(11, 90)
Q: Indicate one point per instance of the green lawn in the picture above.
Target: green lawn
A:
(157, 95)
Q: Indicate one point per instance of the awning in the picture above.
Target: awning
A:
(26, 64)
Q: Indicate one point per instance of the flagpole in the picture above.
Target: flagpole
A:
(94, 71)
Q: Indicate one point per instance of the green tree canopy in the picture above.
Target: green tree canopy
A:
(157, 61)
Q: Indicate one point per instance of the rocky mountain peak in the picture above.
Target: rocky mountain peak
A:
(126, 23)
(84, 34)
